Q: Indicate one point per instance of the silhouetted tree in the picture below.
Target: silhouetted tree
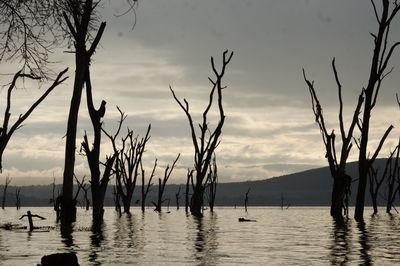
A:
(378, 71)
(177, 197)
(98, 184)
(81, 20)
(246, 199)
(18, 198)
(7, 182)
(28, 33)
(376, 180)
(80, 17)
(207, 141)
(161, 184)
(117, 203)
(82, 186)
(146, 188)
(55, 200)
(6, 131)
(75, 198)
(212, 181)
(127, 164)
(337, 162)
(393, 184)
(189, 179)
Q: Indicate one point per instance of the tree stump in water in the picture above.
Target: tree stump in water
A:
(30, 215)
(60, 259)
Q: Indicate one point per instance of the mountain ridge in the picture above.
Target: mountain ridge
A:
(306, 188)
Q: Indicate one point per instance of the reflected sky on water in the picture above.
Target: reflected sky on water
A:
(296, 236)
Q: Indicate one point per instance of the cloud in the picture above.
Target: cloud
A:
(269, 128)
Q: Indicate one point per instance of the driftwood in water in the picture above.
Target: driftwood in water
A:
(246, 220)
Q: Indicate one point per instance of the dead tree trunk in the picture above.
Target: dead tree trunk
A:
(246, 200)
(212, 181)
(206, 143)
(162, 183)
(117, 203)
(82, 186)
(146, 189)
(376, 181)
(98, 184)
(55, 200)
(78, 20)
(127, 163)
(177, 197)
(378, 71)
(18, 198)
(6, 131)
(393, 184)
(337, 162)
(3, 202)
(189, 179)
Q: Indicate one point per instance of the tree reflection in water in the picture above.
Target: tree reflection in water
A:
(365, 246)
(129, 233)
(66, 235)
(203, 232)
(96, 239)
(341, 245)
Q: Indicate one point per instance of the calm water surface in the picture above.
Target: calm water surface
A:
(296, 236)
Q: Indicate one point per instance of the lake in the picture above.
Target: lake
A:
(294, 236)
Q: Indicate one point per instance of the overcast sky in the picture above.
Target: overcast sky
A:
(269, 129)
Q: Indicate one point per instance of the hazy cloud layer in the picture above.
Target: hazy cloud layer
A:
(269, 128)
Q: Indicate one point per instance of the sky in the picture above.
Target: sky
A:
(269, 129)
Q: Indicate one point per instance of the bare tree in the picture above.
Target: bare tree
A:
(79, 17)
(117, 203)
(127, 163)
(376, 180)
(161, 184)
(246, 199)
(84, 188)
(8, 130)
(18, 198)
(177, 197)
(98, 184)
(393, 185)
(337, 162)
(3, 202)
(26, 26)
(189, 179)
(29, 33)
(146, 188)
(207, 141)
(55, 200)
(212, 181)
(380, 59)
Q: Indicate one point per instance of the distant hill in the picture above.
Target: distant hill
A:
(307, 188)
